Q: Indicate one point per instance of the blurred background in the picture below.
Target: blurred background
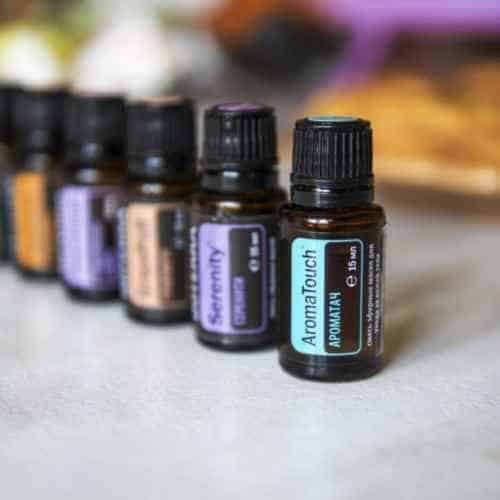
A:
(426, 73)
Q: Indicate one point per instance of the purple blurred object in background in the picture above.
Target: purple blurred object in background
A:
(374, 24)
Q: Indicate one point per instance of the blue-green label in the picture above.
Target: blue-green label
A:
(327, 296)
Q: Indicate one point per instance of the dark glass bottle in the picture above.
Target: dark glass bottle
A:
(7, 94)
(38, 122)
(234, 230)
(332, 254)
(91, 194)
(154, 223)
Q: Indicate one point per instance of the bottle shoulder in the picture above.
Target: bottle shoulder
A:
(244, 203)
(333, 219)
(98, 173)
(160, 191)
(37, 162)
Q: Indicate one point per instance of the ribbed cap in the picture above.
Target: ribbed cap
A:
(7, 94)
(38, 119)
(162, 138)
(96, 121)
(239, 135)
(332, 153)
(162, 127)
(335, 149)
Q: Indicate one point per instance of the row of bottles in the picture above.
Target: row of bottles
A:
(107, 196)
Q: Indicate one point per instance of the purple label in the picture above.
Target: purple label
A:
(233, 281)
(87, 236)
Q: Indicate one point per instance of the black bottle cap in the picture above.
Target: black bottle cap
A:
(7, 95)
(95, 126)
(162, 139)
(38, 120)
(332, 161)
(239, 149)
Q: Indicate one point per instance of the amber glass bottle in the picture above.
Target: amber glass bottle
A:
(91, 194)
(332, 254)
(7, 94)
(234, 230)
(154, 223)
(38, 121)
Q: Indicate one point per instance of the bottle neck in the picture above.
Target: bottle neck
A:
(38, 141)
(93, 153)
(238, 178)
(163, 169)
(324, 197)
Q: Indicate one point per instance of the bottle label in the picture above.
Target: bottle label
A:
(233, 277)
(87, 236)
(33, 221)
(8, 190)
(157, 266)
(122, 252)
(337, 295)
(4, 216)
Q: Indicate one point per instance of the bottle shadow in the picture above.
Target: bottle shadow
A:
(412, 308)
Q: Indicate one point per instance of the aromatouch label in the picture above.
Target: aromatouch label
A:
(234, 277)
(33, 221)
(337, 295)
(87, 236)
(156, 255)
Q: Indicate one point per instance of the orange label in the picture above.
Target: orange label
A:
(33, 222)
(157, 256)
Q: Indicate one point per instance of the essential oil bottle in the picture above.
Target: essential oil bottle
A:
(235, 228)
(91, 194)
(332, 254)
(7, 94)
(38, 122)
(154, 223)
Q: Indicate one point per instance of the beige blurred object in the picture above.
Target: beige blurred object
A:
(14, 9)
(441, 136)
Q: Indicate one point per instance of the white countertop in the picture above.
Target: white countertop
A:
(93, 406)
